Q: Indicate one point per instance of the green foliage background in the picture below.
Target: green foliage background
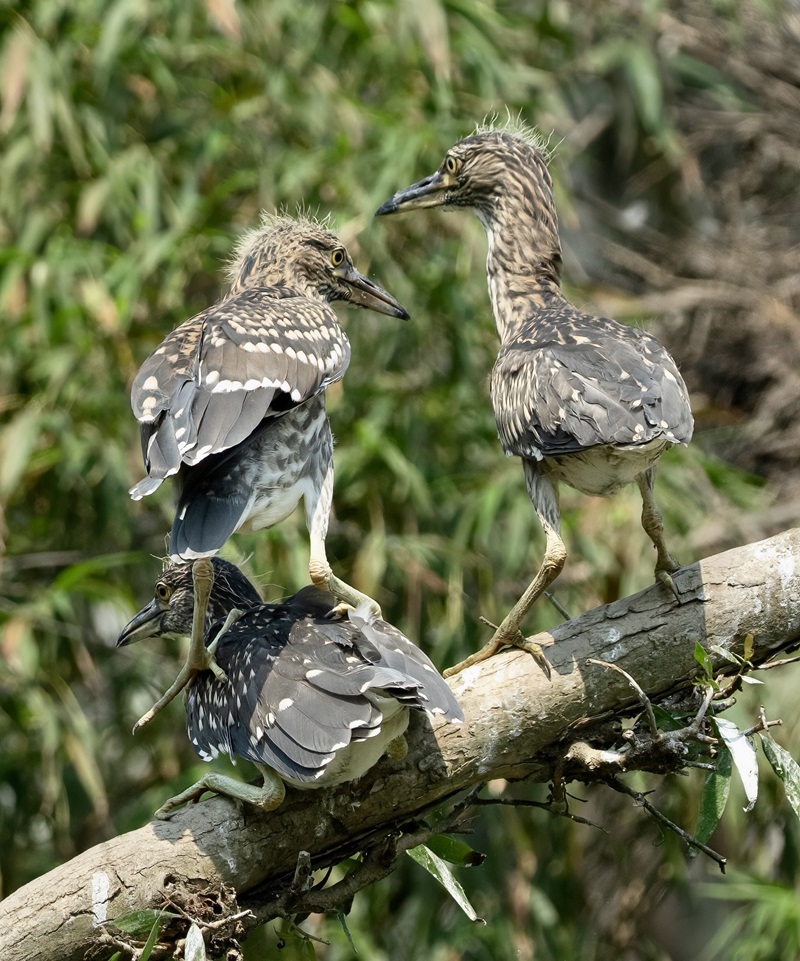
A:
(138, 140)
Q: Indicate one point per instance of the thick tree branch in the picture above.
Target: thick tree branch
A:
(518, 724)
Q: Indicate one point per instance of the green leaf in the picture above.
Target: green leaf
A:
(455, 851)
(725, 654)
(147, 950)
(137, 923)
(646, 87)
(744, 757)
(702, 658)
(716, 789)
(195, 949)
(666, 721)
(787, 769)
(343, 921)
(297, 948)
(434, 865)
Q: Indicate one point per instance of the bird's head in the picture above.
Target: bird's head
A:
(172, 606)
(301, 254)
(481, 171)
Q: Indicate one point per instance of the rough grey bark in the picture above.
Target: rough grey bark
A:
(518, 724)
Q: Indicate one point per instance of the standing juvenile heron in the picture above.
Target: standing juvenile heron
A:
(233, 400)
(312, 700)
(581, 399)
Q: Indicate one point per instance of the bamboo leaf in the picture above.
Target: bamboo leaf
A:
(343, 922)
(455, 851)
(435, 866)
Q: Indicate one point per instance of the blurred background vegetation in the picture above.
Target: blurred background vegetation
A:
(138, 139)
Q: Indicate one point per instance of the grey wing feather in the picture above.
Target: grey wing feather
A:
(247, 728)
(301, 687)
(561, 395)
(402, 656)
(300, 756)
(216, 377)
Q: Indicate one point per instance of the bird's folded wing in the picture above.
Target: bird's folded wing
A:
(216, 377)
(562, 398)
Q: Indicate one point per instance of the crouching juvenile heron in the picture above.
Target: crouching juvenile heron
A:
(233, 400)
(313, 699)
(581, 399)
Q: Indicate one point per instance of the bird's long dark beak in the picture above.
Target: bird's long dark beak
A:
(142, 625)
(366, 294)
(429, 192)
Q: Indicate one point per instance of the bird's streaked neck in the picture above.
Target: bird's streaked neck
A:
(523, 263)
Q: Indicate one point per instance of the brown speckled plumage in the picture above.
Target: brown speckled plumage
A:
(581, 399)
(232, 401)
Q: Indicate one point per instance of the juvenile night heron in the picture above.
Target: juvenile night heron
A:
(312, 699)
(581, 399)
(233, 400)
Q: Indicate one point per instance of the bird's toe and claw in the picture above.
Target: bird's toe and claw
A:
(503, 637)
(349, 597)
(665, 568)
(266, 797)
(340, 612)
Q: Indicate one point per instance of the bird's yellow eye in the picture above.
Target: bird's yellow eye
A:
(163, 592)
(337, 257)
(451, 165)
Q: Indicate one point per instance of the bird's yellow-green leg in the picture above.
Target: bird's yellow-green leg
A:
(653, 524)
(544, 497)
(267, 797)
(199, 657)
(318, 510)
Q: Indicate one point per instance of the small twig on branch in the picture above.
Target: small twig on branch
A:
(780, 663)
(378, 862)
(558, 606)
(544, 805)
(700, 717)
(651, 718)
(653, 811)
(762, 724)
(222, 922)
(128, 949)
